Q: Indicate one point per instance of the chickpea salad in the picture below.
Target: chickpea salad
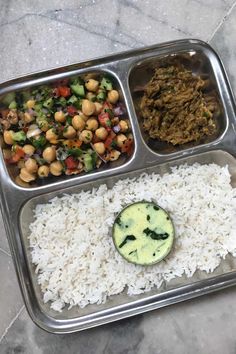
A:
(69, 127)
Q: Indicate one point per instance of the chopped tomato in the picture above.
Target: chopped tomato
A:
(4, 113)
(107, 105)
(64, 91)
(104, 120)
(109, 140)
(18, 154)
(75, 143)
(71, 163)
(71, 110)
(73, 171)
(127, 146)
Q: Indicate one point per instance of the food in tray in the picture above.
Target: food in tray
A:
(71, 236)
(143, 233)
(69, 127)
(175, 107)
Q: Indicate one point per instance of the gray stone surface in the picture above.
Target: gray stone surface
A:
(205, 325)
(3, 239)
(36, 35)
(10, 297)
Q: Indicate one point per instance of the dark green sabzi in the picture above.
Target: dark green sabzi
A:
(150, 233)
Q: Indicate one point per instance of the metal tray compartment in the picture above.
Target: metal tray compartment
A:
(13, 170)
(198, 62)
(17, 202)
(121, 305)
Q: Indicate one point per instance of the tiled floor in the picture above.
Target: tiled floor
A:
(39, 34)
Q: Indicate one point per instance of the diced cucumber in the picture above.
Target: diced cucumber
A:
(88, 162)
(106, 84)
(38, 107)
(19, 136)
(78, 90)
(48, 103)
(101, 96)
(8, 98)
(62, 101)
(12, 105)
(72, 100)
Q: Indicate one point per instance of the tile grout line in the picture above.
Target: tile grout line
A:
(222, 21)
(5, 252)
(11, 323)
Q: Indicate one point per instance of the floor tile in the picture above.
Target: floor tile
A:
(3, 237)
(204, 325)
(224, 43)
(10, 296)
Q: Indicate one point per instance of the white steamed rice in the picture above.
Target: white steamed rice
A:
(72, 248)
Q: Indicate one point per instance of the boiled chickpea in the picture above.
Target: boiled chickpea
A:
(30, 104)
(98, 108)
(44, 125)
(51, 135)
(8, 137)
(31, 165)
(21, 183)
(92, 124)
(78, 122)
(113, 96)
(60, 116)
(92, 85)
(28, 117)
(101, 133)
(123, 126)
(26, 176)
(29, 149)
(49, 154)
(82, 115)
(43, 171)
(21, 164)
(88, 107)
(86, 136)
(56, 168)
(69, 132)
(99, 148)
(90, 96)
(114, 155)
(120, 139)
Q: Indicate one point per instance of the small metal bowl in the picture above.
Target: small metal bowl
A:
(163, 255)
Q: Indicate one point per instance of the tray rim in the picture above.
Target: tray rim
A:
(228, 279)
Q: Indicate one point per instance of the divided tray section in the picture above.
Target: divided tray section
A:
(53, 81)
(121, 305)
(129, 72)
(201, 61)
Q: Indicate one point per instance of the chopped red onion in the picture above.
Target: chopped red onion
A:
(31, 112)
(116, 128)
(33, 131)
(119, 110)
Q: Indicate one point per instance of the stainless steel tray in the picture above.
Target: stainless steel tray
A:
(130, 69)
